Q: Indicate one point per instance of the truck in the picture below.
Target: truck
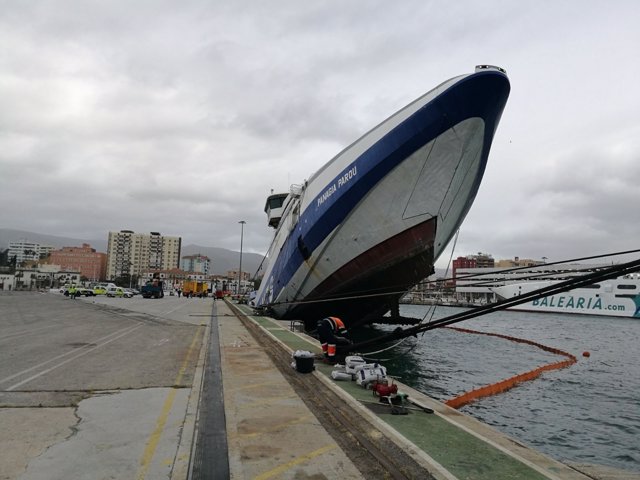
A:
(152, 289)
(193, 288)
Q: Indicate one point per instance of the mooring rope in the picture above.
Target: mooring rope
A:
(509, 383)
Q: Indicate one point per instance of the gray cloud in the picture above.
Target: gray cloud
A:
(181, 118)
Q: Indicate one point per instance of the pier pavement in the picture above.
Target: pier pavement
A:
(121, 388)
(98, 388)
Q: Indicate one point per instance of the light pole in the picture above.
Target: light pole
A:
(241, 222)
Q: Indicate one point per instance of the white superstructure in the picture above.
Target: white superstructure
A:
(619, 297)
(370, 223)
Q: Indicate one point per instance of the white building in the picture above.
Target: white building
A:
(46, 276)
(196, 263)
(6, 281)
(25, 251)
(130, 253)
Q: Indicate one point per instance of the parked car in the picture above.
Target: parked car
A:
(65, 288)
(99, 290)
(118, 292)
(85, 292)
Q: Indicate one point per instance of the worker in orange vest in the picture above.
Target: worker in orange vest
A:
(331, 333)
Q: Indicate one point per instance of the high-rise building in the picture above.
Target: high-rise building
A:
(130, 253)
(481, 260)
(86, 260)
(196, 263)
(461, 262)
(25, 251)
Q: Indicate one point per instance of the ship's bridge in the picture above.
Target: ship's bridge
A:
(274, 208)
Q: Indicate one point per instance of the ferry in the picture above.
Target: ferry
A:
(619, 297)
(368, 225)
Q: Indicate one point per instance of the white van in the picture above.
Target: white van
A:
(118, 292)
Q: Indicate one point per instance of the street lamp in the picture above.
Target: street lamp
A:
(241, 222)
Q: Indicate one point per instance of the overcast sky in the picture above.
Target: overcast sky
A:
(180, 117)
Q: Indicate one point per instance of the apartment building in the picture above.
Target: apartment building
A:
(130, 253)
(196, 263)
(246, 276)
(91, 264)
(25, 251)
(481, 260)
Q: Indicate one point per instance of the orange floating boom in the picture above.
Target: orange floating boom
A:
(507, 384)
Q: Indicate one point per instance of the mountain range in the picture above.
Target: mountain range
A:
(222, 259)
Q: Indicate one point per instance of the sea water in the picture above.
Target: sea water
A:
(586, 413)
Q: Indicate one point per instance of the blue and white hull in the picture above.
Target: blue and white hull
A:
(371, 223)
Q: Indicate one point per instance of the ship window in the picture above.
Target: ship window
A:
(626, 296)
(276, 202)
(626, 287)
(593, 285)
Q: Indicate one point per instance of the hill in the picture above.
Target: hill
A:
(222, 259)
(8, 235)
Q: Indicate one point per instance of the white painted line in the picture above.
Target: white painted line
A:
(26, 332)
(81, 354)
(177, 308)
(53, 359)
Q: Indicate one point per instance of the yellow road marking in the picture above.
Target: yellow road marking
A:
(266, 401)
(296, 421)
(284, 467)
(247, 387)
(152, 443)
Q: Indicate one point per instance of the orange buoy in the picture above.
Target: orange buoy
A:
(586, 354)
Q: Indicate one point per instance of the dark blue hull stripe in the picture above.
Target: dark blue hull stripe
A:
(482, 95)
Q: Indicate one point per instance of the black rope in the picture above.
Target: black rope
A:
(601, 274)
(402, 289)
(528, 267)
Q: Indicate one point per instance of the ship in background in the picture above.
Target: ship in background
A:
(619, 297)
(367, 226)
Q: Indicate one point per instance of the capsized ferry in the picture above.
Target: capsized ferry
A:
(367, 226)
(619, 297)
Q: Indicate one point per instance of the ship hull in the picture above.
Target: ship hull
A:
(371, 223)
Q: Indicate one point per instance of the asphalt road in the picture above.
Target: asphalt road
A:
(73, 370)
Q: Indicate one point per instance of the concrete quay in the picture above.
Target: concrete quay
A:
(176, 388)
(110, 388)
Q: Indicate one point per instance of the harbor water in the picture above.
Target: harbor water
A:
(586, 413)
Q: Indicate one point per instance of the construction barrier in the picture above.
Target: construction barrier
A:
(504, 385)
